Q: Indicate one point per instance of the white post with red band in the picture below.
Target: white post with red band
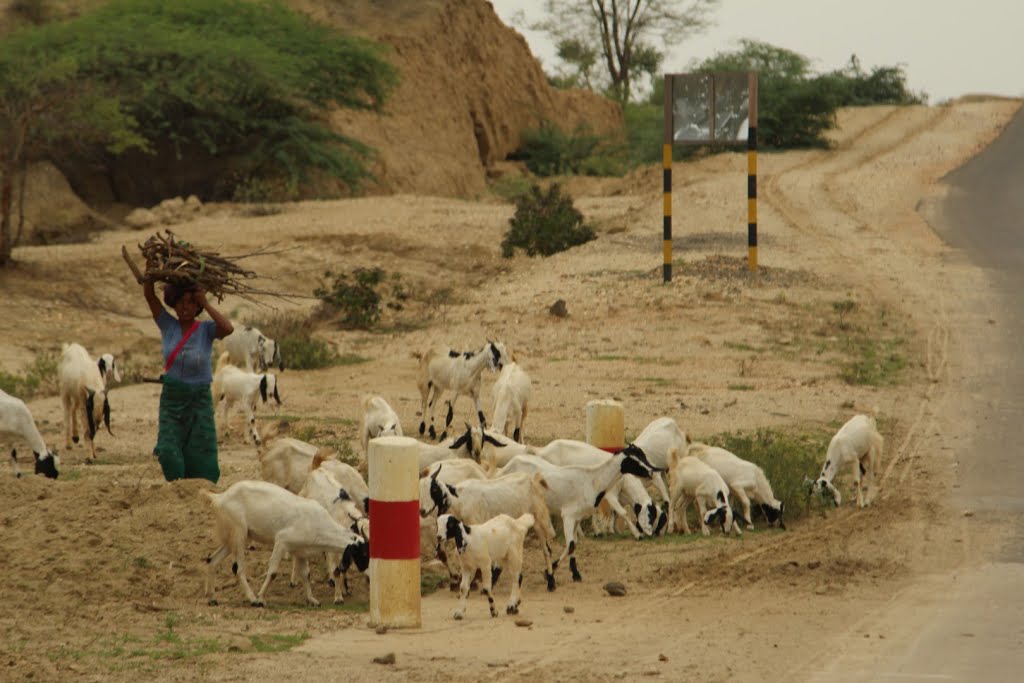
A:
(394, 532)
(606, 425)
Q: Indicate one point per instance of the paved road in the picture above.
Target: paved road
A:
(969, 625)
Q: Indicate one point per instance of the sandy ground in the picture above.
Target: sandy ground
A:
(103, 567)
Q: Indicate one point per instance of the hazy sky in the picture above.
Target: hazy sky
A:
(946, 48)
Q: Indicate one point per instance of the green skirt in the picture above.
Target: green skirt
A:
(186, 443)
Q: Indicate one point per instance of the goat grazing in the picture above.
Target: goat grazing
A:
(511, 391)
(746, 481)
(16, 422)
(266, 513)
(83, 392)
(490, 548)
(442, 369)
(690, 479)
(287, 462)
(859, 444)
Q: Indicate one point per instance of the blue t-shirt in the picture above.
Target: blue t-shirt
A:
(192, 364)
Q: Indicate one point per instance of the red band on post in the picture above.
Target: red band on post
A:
(395, 530)
(610, 449)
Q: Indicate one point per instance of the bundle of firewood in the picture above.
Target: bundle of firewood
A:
(169, 259)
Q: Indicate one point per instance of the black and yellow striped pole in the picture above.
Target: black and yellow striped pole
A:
(752, 174)
(666, 186)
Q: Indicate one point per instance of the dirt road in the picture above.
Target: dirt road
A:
(104, 565)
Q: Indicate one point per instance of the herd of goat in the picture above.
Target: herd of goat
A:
(483, 489)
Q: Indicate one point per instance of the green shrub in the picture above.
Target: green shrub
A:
(549, 151)
(356, 298)
(512, 187)
(300, 350)
(545, 223)
(38, 379)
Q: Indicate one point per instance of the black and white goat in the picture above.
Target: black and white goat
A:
(490, 548)
(266, 513)
(745, 480)
(83, 395)
(16, 422)
(250, 349)
(441, 369)
(575, 491)
(233, 385)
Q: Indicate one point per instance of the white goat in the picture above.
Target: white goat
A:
(574, 492)
(859, 444)
(83, 394)
(250, 349)
(232, 385)
(266, 513)
(690, 479)
(379, 419)
(566, 452)
(442, 369)
(287, 462)
(746, 481)
(324, 488)
(489, 548)
(476, 500)
(16, 422)
(512, 391)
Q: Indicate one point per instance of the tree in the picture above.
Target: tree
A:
(247, 80)
(622, 33)
(45, 105)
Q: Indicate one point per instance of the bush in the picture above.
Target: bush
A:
(355, 296)
(548, 151)
(38, 379)
(545, 223)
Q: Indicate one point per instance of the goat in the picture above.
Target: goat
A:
(660, 441)
(511, 391)
(249, 348)
(266, 513)
(489, 548)
(83, 391)
(441, 369)
(745, 480)
(452, 447)
(565, 452)
(324, 488)
(477, 500)
(496, 450)
(232, 385)
(16, 422)
(379, 419)
(690, 479)
(574, 492)
(287, 462)
(857, 443)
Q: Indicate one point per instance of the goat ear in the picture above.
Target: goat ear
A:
(343, 494)
(263, 388)
(451, 490)
(117, 373)
(106, 415)
(102, 364)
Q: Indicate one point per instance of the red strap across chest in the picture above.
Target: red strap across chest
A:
(177, 349)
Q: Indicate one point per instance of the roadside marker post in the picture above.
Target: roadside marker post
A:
(395, 532)
(606, 425)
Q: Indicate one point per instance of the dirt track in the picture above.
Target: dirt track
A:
(104, 565)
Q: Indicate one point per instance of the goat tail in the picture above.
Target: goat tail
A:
(321, 455)
(525, 521)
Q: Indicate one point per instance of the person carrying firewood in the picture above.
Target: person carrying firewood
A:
(186, 444)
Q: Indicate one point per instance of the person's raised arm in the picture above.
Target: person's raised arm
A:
(155, 307)
(224, 326)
